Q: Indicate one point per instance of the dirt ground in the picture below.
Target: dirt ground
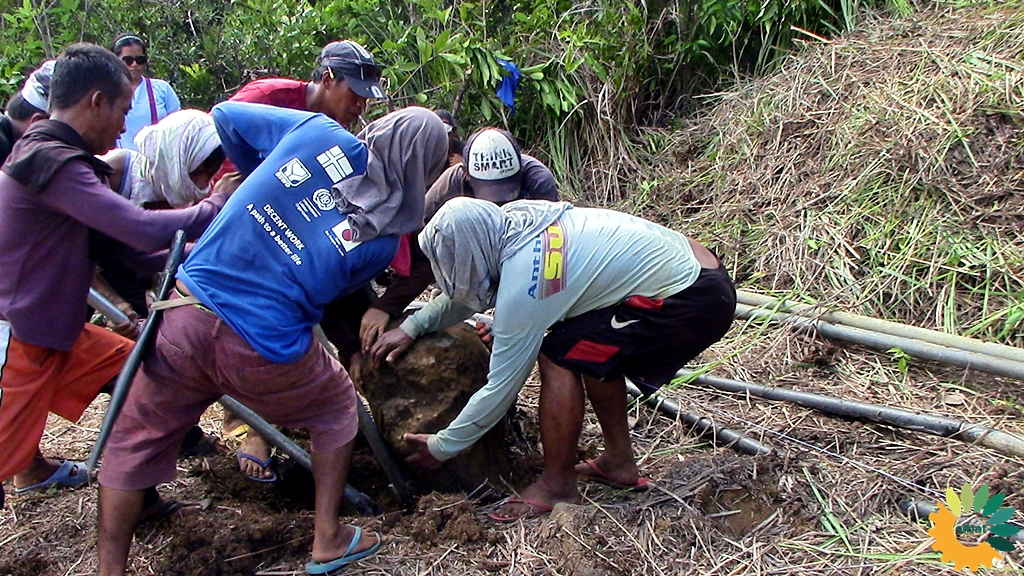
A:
(825, 501)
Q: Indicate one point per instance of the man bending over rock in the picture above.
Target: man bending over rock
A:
(621, 296)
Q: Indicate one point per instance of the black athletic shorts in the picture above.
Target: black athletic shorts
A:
(647, 340)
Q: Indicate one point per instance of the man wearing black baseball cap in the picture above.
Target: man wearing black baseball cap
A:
(345, 77)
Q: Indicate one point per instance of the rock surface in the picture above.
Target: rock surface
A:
(425, 390)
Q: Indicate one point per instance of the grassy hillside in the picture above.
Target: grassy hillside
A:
(882, 172)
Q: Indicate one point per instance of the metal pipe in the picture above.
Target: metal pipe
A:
(131, 365)
(373, 436)
(883, 326)
(106, 307)
(1004, 442)
(360, 501)
(917, 510)
(916, 348)
(702, 425)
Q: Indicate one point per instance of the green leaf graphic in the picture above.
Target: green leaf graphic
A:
(953, 501)
(993, 504)
(1006, 530)
(1001, 544)
(981, 498)
(1001, 516)
(966, 498)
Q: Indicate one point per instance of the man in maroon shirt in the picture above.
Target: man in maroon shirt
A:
(54, 205)
(345, 77)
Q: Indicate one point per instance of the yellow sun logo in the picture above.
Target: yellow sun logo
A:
(959, 510)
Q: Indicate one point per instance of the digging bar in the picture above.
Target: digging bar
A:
(701, 425)
(363, 503)
(373, 436)
(131, 365)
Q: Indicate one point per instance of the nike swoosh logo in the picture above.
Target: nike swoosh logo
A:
(617, 325)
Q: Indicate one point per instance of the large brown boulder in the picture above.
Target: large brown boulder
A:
(425, 390)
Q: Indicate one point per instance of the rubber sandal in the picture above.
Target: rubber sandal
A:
(207, 445)
(265, 464)
(61, 477)
(600, 477)
(537, 508)
(347, 558)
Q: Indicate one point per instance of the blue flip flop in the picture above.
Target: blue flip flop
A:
(263, 464)
(328, 567)
(61, 477)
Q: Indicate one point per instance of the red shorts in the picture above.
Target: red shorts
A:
(645, 339)
(197, 359)
(35, 381)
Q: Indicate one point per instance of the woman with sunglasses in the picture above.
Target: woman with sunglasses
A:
(152, 100)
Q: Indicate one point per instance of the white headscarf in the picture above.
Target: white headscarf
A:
(168, 151)
(469, 239)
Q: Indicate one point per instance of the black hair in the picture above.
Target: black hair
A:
(85, 67)
(19, 109)
(214, 160)
(456, 146)
(446, 117)
(127, 40)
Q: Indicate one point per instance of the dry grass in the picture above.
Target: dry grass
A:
(882, 172)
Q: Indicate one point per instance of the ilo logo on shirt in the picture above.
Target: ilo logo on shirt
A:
(293, 173)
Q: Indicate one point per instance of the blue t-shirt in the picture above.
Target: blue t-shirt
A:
(141, 115)
(278, 252)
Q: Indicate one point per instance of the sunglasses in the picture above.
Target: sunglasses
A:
(140, 60)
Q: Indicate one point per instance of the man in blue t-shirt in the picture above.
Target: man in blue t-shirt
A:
(241, 324)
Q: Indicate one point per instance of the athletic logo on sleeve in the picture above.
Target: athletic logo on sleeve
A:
(549, 263)
(335, 163)
(293, 173)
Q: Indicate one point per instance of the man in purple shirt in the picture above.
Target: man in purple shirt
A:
(56, 213)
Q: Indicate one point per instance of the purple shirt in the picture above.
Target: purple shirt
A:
(45, 270)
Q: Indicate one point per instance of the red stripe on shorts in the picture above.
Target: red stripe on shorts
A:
(645, 302)
(591, 352)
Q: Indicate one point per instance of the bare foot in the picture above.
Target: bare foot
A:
(537, 499)
(603, 468)
(327, 549)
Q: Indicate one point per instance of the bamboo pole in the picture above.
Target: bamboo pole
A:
(882, 326)
(880, 341)
(993, 438)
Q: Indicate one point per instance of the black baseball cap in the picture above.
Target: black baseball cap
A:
(356, 64)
